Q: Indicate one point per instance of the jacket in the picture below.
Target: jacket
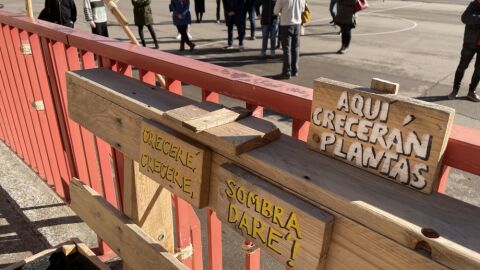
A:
(180, 7)
(290, 11)
(62, 12)
(471, 19)
(237, 6)
(345, 12)
(268, 18)
(142, 12)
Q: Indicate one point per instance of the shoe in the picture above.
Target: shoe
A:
(229, 47)
(178, 37)
(218, 21)
(263, 54)
(253, 38)
(473, 97)
(295, 74)
(189, 36)
(272, 53)
(241, 47)
(192, 47)
(453, 95)
(284, 76)
(341, 51)
(332, 21)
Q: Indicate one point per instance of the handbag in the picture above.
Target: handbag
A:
(361, 5)
(306, 15)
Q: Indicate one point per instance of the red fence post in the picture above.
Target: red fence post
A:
(252, 259)
(173, 86)
(210, 96)
(214, 231)
(300, 129)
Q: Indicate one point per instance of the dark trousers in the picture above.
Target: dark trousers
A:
(182, 29)
(152, 32)
(251, 17)
(346, 35)
(218, 10)
(330, 8)
(100, 29)
(231, 21)
(465, 59)
(290, 37)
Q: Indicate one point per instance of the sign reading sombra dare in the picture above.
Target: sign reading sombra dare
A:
(290, 229)
(178, 164)
(399, 138)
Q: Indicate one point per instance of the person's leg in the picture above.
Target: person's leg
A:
(273, 38)
(251, 16)
(197, 16)
(105, 30)
(241, 33)
(230, 31)
(201, 16)
(348, 35)
(295, 64)
(140, 33)
(218, 11)
(465, 58)
(330, 8)
(182, 29)
(286, 39)
(154, 36)
(187, 38)
(265, 33)
(472, 95)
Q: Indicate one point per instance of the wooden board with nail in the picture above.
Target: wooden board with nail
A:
(399, 138)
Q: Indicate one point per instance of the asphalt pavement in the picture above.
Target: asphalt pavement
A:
(416, 44)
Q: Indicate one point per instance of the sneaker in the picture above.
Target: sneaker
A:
(473, 97)
(241, 47)
(295, 74)
(229, 47)
(253, 38)
(284, 77)
(178, 37)
(332, 21)
(218, 21)
(272, 53)
(453, 95)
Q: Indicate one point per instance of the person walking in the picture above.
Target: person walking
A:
(199, 10)
(345, 19)
(269, 23)
(471, 46)
(181, 19)
(63, 12)
(235, 16)
(290, 20)
(331, 10)
(252, 16)
(142, 14)
(96, 16)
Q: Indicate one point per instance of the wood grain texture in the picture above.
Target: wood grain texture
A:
(235, 137)
(126, 239)
(398, 138)
(291, 230)
(380, 206)
(214, 119)
(384, 86)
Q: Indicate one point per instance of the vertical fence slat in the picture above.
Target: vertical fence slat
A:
(300, 129)
(257, 111)
(210, 96)
(146, 76)
(214, 231)
(21, 102)
(252, 260)
(443, 178)
(20, 142)
(182, 224)
(5, 110)
(31, 83)
(173, 86)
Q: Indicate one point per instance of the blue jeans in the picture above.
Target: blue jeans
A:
(290, 37)
(269, 31)
(251, 17)
(232, 21)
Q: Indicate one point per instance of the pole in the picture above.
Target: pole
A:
(29, 9)
(112, 6)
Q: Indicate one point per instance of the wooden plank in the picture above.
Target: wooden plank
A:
(378, 205)
(291, 230)
(175, 162)
(399, 138)
(384, 86)
(83, 249)
(216, 118)
(148, 205)
(15, 266)
(236, 137)
(126, 239)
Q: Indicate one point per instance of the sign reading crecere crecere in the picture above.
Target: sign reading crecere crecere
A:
(179, 165)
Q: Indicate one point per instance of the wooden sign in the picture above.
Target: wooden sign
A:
(399, 138)
(290, 229)
(181, 166)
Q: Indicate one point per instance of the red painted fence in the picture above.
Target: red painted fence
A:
(58, 149)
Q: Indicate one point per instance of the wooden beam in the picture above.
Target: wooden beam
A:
(125, 238)
(381, 207)
(214, 119)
